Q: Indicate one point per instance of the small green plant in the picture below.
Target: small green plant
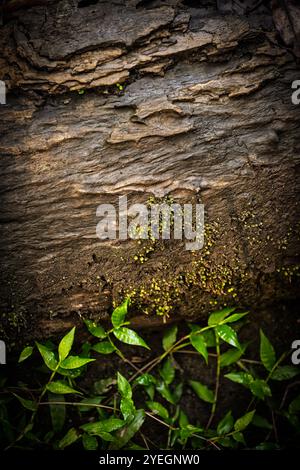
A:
(115, 413)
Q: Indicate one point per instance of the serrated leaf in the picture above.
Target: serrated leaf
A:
(95, 330)
(125, 335)
(285, 372)
(198, 343)
(267, 352)
(73, 362)
(106, 425)
(169, 337)
(260, 388)
(243, 422)
(226, 424)
(243, 378)
(124, 386)
(71, 437)
(60, 388)
(89, 442)
(125, 434)
(202, 391)
(105, 347)
(28, 404)
(227, 334)
(25, 353)
(57, 412)
(119, 314)
(167, 371)
(65, 344)
(216, 317)
(158, 409)
(48, 356)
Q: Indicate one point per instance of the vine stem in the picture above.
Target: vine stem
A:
(218, 369)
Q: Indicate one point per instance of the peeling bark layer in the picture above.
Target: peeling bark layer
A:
(205, 114)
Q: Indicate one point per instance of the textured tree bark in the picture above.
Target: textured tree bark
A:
(205, 114)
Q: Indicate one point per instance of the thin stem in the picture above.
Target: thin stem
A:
(218, 370)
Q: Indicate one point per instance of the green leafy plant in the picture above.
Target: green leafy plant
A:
(113, 413)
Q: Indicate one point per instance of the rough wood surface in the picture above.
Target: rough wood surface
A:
(205, 114)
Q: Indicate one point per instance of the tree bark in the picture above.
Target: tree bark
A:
(170, 99)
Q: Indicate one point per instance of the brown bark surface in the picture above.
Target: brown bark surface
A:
(205, 114)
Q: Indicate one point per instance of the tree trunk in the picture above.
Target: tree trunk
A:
(185, 100)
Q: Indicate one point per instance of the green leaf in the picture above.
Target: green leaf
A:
(87, 403)
(125, 335)
(231, 356)
(145, 380)
(89, 442)
(128, 431)
(226, 424)
(95, 329)
(106, 347)
(71, 437)
(48, 356)
(169, 337)
(65, 345)
(107, 425)
(167, 371)
(102, 386)
(260, 388)
(57, 412)
(261, 422)
(71, 373)
(124, 386)
(158, 409)
(267, 352)
(239, 437)
(60, 388)
(73, 362)
(165, 392)
(28, 404)
(217, 317)
(105, 436)
(227, 334)
(294, 406)
(127, 408)
(243, 378)
(198, 343)
(177, 392)
(183, 419)
(285, 372)
(243, 422)
(150, 390)
(202, 391)
(235, 317)
(119, 314)
(25, 353)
